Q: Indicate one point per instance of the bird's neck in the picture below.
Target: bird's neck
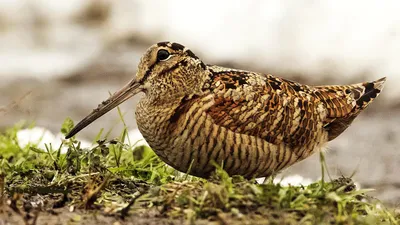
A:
(153, 117)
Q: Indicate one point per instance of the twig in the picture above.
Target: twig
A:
(125, 210)
(2, 182)
(13, 104)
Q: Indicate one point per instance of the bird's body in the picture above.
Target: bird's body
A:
(195, 115)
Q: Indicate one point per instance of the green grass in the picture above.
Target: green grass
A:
(127, 180)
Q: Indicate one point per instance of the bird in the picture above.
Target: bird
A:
(196, 116)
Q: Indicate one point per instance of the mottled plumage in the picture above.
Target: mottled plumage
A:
(254, 124)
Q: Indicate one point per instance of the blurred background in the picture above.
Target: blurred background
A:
(60, 59)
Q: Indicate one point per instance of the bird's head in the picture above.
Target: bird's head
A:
(167, 72)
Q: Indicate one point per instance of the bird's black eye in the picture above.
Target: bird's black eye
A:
(162, 55)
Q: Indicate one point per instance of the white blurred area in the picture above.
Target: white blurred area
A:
(44, 139)
(322, 41)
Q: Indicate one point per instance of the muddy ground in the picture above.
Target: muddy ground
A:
(65, 217)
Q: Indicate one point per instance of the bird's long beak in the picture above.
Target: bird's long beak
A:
(131, 89)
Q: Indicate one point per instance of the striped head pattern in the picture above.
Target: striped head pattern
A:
(169, 70)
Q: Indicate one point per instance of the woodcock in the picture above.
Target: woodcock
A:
(254, 124)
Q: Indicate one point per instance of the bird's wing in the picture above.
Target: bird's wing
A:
(279, 110)
(265, 106)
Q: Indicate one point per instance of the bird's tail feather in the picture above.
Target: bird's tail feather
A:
(345, 102)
